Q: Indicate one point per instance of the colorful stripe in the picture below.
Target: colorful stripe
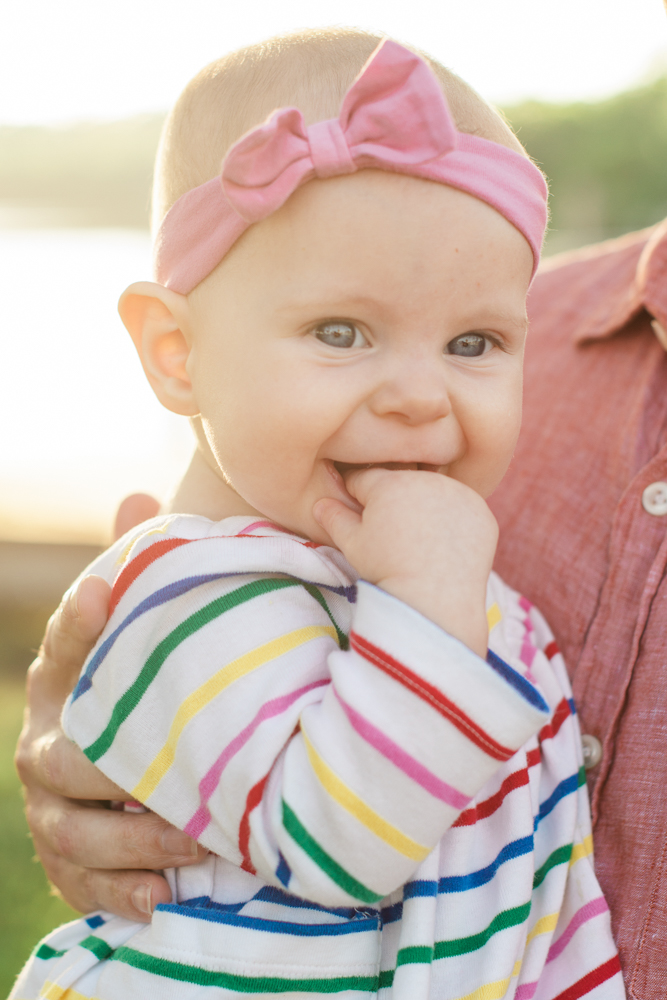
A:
(242, 984)
(587, 912)
(139, 564)
(207, 786)
(430, 694)
(486, 808)
(129, 701)
(211, 688)
(564, 788)
(517, 681)
(403, 760)
(595, 978)
(493, 616)
(560, 856)
(349, 800)
(329, 866)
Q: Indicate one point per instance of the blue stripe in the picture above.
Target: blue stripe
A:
(573, 707)
(283, 871)
(161, 596)
(390, 914)
(271, 894)
(566, 787)
(95, 921)
(355, 926)
(517, 681)
(169, 593)
(461, 883)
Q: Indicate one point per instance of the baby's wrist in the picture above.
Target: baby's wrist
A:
(461, 614)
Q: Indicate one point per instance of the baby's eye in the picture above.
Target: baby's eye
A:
(469, 345)
(339, 334)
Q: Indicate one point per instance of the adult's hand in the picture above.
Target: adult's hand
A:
(97, 858)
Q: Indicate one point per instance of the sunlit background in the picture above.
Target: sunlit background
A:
(80, 427)
(84, 85)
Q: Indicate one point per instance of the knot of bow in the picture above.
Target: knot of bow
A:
(394, 116)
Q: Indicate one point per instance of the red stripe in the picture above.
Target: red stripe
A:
(432, 695)
(551, 650)
(590, 981)
(486, 808)
(253, 800)
(138, 565)
(563, 712)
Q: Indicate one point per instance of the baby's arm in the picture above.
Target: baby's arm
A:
(224, 703)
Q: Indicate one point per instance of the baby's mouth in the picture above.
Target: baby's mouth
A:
(345, 467)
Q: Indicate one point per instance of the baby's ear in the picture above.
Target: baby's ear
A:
(157, 319)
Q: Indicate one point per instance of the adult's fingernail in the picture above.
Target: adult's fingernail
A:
(141, 899)
(177, 843)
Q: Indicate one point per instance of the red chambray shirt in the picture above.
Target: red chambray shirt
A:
(578, 541)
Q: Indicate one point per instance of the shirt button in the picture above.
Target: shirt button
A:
(592, 749)
(654, 499)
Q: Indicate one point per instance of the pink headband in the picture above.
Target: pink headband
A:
(394, 117)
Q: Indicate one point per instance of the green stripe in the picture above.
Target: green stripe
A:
(421, 954)
(101, 949)
(343, 640)
(242, 984)
(46, 952)
(560, 856)
(325, 861)
(424, 955)
(581, 779)
(129, 701)
(461, 946)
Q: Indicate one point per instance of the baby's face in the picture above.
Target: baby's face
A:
(373, 320)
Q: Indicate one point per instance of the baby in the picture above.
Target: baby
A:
(325, 684)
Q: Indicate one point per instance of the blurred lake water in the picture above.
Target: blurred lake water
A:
(80, 425)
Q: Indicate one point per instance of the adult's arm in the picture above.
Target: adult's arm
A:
(96, 858)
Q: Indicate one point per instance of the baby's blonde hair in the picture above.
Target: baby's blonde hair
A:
(311, 70)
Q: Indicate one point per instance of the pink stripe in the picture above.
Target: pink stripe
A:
(526, 991)
(202, 817)
(428, 781)
(587, 912)
(264, 524)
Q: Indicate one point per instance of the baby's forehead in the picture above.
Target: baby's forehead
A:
(310, 70)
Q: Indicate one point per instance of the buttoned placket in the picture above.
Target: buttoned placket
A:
(628, 544)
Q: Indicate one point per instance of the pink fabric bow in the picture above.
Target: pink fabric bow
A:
(394, 117)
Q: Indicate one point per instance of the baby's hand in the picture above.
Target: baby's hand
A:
(426, 539)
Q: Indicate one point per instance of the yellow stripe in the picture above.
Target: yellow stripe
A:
(200, 698)
(490, 991)
(543, 926)
(345, 797)
(130, 545)
(582, 850)
(493, 991)
(51, 991)
(493, 616)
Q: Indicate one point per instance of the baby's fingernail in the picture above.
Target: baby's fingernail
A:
(141, 899)
(177, 843)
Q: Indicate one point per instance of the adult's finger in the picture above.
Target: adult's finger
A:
(133, 510)
(133, 894)
(101, 838)
(70, 635)
(56, 764)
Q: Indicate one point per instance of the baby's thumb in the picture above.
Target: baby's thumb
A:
(338, 521)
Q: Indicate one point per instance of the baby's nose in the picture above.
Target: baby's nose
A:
(416, 394)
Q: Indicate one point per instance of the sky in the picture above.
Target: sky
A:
(104, 59)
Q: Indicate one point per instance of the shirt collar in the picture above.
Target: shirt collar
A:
(614, 281)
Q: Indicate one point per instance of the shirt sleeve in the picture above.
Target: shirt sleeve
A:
(234, 707)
